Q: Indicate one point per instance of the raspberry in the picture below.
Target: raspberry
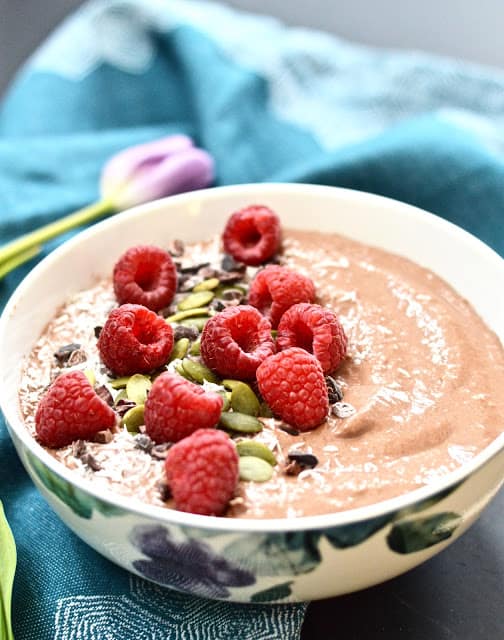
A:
(134, 340)
(252, 235)
(235, 342)
(175, 408)
(292, 383)
(316, 330)
(275, 289)
(202, 472)
(71, 410)
(145, 275)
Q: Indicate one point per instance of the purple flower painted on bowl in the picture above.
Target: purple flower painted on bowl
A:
(189, 566)
(156, 169)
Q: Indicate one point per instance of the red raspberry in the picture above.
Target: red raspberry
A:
(316, 330)
(71, 410)
(292, 383)
(252, 235)
(175, 408)
(134, 340)
(235, 342)
(275, 289)
(202, 472)
(145, 275)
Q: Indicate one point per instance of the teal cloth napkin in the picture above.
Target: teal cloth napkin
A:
(271, 104)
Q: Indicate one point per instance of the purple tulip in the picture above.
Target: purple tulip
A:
(154, 170)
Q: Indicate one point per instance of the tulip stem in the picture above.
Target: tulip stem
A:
(21, 250)
(20, 258)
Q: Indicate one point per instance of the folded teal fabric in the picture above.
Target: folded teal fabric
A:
(270, 104)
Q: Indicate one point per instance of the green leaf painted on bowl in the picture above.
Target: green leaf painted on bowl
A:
(408, 536)
(427, 503)
(275, 554)
(350, 535)
(273, 594)
(79, 502)
(8, 558)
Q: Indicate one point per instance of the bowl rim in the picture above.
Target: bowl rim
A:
(245, 525)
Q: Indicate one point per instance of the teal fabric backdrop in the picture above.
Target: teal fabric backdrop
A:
(271, 104)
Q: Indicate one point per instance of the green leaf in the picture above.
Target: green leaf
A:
(408, 536)
(350, 535)
(8, 559)
(273, 594)
(81, 503)
(277, 554)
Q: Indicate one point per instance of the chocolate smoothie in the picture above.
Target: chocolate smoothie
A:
(422, 387)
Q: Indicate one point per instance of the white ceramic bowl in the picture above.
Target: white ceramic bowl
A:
(258, 560)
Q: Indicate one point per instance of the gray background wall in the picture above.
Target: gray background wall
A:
(458, 28)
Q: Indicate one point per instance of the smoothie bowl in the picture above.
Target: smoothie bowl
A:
(410, 445)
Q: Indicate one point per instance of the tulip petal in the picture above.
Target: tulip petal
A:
(187, 170)
(123, 166)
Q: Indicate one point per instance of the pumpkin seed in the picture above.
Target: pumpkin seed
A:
(230, 384)
(257, 450)
(254, 469)
(206, 285)
(190, 313)
(240, 422)
(265, 411)
(225, 290)
(195, 300)
(120, 396)
(244, 400)
(180, 349)
(119, 383)
(181, 371)
(226, 397)
(198, 371)
(90, 375)
(133, 418)
(195, 349)
(137, 388)
(197, 323)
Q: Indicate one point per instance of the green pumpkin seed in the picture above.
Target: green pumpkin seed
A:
(195, 349)
(180, 349)
(134, 418)
(180, 370)
(240, 422)
(198, 371)
(199, 323)
(195, 300)
(257, 450)
(230, 384)
(137, 388)
(119, 383)
(265, 411)
(90, 375)
(230, 287)
(190, 313)
(244, 400)
(226, 397)
(121, 396)
(207, 285)
(254, 469)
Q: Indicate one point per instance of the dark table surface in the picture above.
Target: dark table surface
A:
(457, 594)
